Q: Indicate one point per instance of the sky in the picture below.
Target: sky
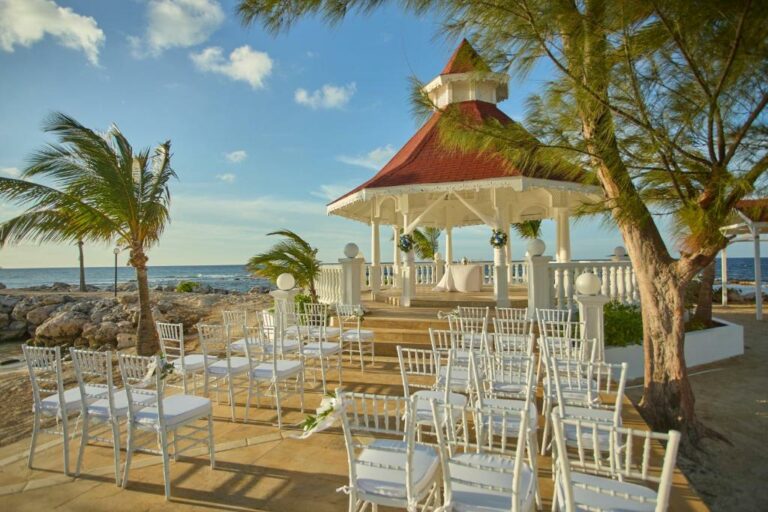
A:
(265, 129)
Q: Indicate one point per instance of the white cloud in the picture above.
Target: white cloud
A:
(25, 22)
(331, 191)
(374, 159)
(244, 64)
(226, 177)
(177, 24)
(13, 172)
(328, 96)
(236, 156)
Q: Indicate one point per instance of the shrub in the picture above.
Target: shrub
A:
(187, 286)
(623, 325)
(300, 300)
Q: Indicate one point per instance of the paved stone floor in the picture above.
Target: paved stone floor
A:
(258, 467)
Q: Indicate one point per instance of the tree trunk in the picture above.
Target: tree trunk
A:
(147, 342)
(704, 302)
(82, 266)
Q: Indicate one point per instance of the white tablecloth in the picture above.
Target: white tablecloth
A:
(461, 278)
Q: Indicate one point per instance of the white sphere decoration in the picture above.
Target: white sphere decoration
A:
(588, 284)
(536, 247)
(286, 281)
(620, 252)
(351, 250)
(437, 256)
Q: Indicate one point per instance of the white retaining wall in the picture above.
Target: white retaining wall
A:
(701, 347)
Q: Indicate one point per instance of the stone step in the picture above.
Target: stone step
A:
(388, 348)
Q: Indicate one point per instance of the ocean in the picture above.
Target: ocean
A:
(227, 277)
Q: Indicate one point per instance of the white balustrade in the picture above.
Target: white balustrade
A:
(618, 280)
(329, 284)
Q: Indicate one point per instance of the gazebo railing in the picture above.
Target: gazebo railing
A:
(617, 277)
(427, 273)
(329, 284)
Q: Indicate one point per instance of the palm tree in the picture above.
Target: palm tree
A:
(426, 242)
(81, 259)
(528, 229)
(292, 255)
(109, 193)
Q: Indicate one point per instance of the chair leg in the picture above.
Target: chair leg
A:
(35, 429)
(248, 399)
(83, 443)
(545, 434)
(184, 381)
(362, 363)
(231, 396)
(116, 447)
(340, 379)
(276, 384)
(175, 447)
(322, 372)
(211, 448)
(65, 429)
(128, 455)
(301, 382)
(166, 462)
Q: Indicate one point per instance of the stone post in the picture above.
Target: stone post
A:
(539, 284)
(396, 278)
(591, 316)
(439, 267)
(408, 280)
(351, 273)
(374, 275)
(500, 282)
(284, 294)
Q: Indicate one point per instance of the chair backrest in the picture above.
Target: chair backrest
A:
(568, 348)
(288, 311)
(141, 376)
(365, 415)
(594, 378)
(513, 331)
(314, 325)
(215, 343)
(94, 368)
(418, 368)
(493, 432)
(171, 340)
(349, 317)
(473, 325)
(499, 371)
(45, 372)
(237, 321)
(554, 323)
(442, 340)
(617, 453)
(315, 308)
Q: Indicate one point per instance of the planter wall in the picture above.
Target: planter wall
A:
(701, 347)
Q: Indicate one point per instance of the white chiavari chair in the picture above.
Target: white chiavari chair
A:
(512, 332)
(357, 340)
(619, 469)
(223, 371)
(51, 399)
(174, 351)
(237, 320)
(93, 370)
(172, 421)
(473, 326)
(319, 349)
(393, 469)
(484, 465)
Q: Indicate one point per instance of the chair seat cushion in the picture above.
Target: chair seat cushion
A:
(313, 349)
(468, 497)
(424, 407)
(177, 409)
(355, 335)
(239, 345)
(285, 368)
(236, 365)
(100, 407)
(314, 331)
(390, 483)
(191, 362)
(285, 347)
(72, 400)
(590, 500)
(513, 425)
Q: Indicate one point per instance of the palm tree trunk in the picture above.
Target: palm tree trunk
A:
(704, 303)
(147, 342)
(82, 266)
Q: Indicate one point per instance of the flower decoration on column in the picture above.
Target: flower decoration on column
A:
(405, 243)
(498, 239)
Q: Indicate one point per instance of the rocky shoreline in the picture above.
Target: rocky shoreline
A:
(96, 319)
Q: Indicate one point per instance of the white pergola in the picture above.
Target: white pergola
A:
(750, 221)
(425, 185)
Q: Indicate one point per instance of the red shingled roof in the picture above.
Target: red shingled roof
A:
(465, 60)
(755, 209)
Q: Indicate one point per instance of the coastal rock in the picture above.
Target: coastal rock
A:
(63, 328)
(60, 287)
(8, 302)
(5, 320)
(102, 334)
(2, 286)
(125, 340)
(15, 330)
(130, 286)
(128, 298)
(24, 306)
(39, 315)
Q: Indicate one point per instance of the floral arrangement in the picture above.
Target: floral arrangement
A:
(498, 239)
(405, 243)
(166, 368)
(325, 416)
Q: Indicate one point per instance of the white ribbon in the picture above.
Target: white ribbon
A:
(327, 415)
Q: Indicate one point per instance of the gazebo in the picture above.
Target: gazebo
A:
(425, 184)
(750, 221)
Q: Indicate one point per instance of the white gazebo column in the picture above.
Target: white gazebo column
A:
(374, 273)
(500, 282)
(396, 281)
(758, 276)
(448, 246)
(409, 273)
(508, 254)
(724, 276)
(563, 249)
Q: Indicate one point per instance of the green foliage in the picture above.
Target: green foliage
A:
(187, 286)
(300, 300)
(623, 325)
(695, 325)
(292, 255)
(426, 242)
(528, 229)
